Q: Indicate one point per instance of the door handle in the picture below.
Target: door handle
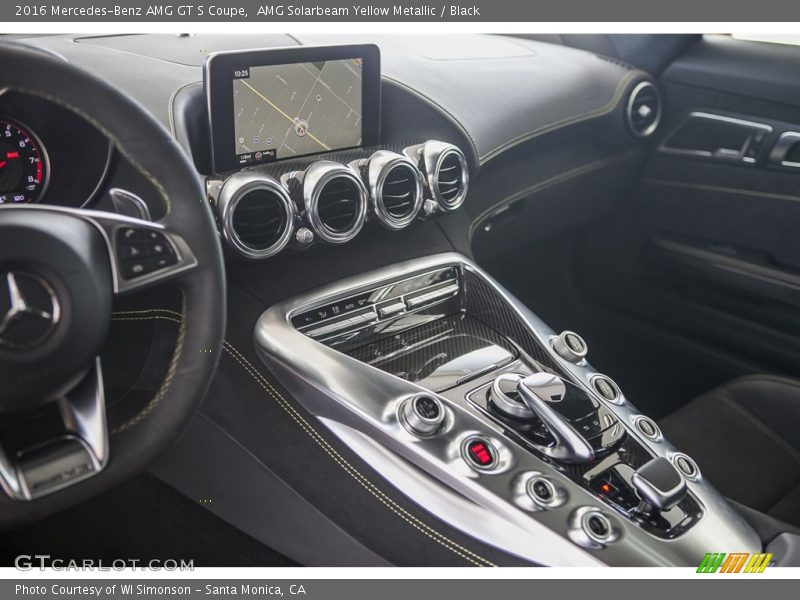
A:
(786, 151)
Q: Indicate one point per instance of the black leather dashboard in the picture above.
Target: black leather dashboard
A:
(496, 92)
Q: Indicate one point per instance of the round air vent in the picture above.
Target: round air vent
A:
(256, 215)
(444, 168)
(335, 201)
(644, 109)
(396, 188)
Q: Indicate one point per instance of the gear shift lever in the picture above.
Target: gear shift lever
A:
(659, 485)
(540, 392)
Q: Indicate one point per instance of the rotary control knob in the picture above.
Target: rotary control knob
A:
(570, 346)
(422, 415)
(506, 399)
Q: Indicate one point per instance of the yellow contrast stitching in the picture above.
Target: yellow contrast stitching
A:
(360, 478)
(105, 131)
(597, 112)
(165, 385)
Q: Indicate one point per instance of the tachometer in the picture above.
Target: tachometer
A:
(23, 164)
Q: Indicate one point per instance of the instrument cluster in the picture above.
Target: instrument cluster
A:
(48, 154)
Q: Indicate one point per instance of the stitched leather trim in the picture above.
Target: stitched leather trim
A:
(548, 183)
(171, 106)
(604, 110)
(360, 478)
(165, 385)
(441, 109)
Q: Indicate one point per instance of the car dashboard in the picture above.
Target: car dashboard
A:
(353, 183)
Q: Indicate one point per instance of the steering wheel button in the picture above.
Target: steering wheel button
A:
(160, 248)
(131, 234)
(129, 250)
(164, 261)
(137, 268)
(154, 236)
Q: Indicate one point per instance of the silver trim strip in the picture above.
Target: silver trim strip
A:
(721, 153)
(83, 412)
(781, 149)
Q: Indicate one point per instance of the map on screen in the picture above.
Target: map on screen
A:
(296, 109)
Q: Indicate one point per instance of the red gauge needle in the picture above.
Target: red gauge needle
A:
(2, 164)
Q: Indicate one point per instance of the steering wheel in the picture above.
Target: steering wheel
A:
(60, 269)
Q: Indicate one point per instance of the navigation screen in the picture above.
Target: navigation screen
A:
(297, 109)
(282, 103)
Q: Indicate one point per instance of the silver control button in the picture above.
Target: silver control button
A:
(506, 399)
(391, 309)
(590, 528)
(597, 527)
(422, 415)
(304, 236)
(686, 466)
(544, 492)
(425, 298)
(647, 427)
(341, 325)
(429, 207)
(606, 387)
(570, 346)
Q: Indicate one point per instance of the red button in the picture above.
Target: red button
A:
(480, 453)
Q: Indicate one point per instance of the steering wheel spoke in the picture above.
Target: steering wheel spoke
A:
(142, 253)
(80, 451)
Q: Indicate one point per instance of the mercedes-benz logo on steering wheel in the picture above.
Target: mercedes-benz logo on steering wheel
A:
(29, 310)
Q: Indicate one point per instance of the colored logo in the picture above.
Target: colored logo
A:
(741, 562)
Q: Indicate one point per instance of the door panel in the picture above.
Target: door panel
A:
(708, 244)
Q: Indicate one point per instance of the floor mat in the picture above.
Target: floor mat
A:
(142, 519)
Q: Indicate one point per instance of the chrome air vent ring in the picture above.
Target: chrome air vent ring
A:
(643, 110)
(450, 179)
(335, 201)
(396, 189)
(249, 196)
(445, 171)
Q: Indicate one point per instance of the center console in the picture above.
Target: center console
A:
(470, 405)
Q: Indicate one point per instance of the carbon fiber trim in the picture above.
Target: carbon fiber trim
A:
(440, 354)
(483, 303)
